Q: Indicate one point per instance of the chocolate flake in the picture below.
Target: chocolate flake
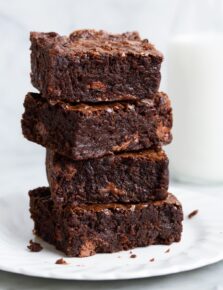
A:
(152, 260)
(133, 256)
(167, 251)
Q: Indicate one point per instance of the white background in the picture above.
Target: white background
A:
(152, 18)
(22, 162)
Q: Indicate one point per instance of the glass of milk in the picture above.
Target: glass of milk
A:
(195, 86)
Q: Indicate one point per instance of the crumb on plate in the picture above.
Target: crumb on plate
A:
(34, 247)
(193, 213)
(61, 262)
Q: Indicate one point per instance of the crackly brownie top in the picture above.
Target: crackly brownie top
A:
(145, 154)
(44, 194)
(94, 42)
(160, 100)
(170, 200)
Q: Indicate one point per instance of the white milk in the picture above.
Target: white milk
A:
(195, 86)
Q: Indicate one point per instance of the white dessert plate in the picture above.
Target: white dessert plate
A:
(201, 245)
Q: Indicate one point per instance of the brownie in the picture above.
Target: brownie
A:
(93, 66)
(125, 178)
(84, 230)
(89, 131)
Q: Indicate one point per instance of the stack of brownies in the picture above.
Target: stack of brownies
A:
(103, 122)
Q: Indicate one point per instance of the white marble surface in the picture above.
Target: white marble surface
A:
(22, 162)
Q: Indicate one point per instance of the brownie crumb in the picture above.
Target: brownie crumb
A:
(61, 262)
(133, 256)
(193, 213)
(34, 247)
(152, 260)
(167, 251)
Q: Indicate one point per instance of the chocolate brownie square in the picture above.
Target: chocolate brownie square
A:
(125, 178)
(94, 66)
(84, 230)
(86, 131)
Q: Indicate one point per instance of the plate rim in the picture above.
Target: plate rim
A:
(139, 276)
(144, 273)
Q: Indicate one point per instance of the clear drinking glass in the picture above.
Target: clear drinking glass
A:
(195, 79)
